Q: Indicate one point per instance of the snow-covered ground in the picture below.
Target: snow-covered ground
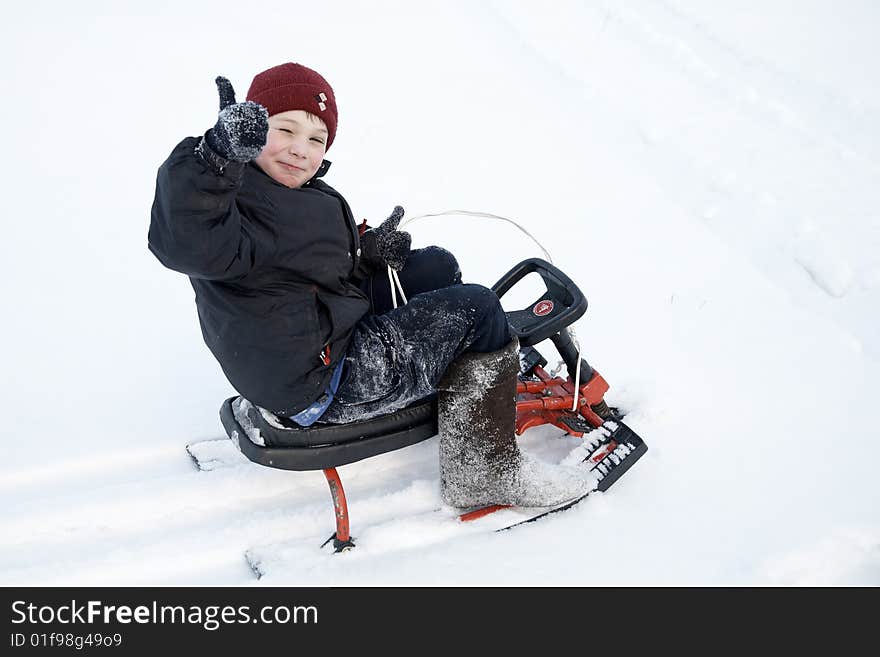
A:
(707, 172)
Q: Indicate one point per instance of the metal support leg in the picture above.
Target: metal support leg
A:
(342, 540)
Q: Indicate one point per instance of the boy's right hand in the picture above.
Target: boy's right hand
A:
(241, 128)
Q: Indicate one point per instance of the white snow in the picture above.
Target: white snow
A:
(707, 173)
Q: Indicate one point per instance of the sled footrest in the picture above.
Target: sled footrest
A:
(617, 451)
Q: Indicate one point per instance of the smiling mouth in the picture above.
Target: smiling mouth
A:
(290, 167)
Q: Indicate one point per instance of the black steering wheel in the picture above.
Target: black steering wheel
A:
(561, 304)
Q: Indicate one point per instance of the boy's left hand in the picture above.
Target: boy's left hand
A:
(393, 245)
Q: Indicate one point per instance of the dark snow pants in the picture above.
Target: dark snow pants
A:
(398, 355)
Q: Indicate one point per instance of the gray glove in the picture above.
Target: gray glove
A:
(241, 128)
(386, 245)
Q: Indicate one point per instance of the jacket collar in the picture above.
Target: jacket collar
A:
(325, 166)
(322, 170)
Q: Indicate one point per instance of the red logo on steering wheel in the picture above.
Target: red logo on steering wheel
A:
(543, 307)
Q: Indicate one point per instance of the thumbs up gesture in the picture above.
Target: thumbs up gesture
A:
(241, 128)
(386, 245)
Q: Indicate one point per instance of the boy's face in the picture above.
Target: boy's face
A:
(295, 147)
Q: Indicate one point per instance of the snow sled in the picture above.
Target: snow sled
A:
(610, 447)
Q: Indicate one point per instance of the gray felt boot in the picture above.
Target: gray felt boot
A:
(480, 461)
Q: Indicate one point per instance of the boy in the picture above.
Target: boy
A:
(293, 303)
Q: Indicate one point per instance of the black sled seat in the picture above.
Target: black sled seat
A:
(277, 442)
(280, 443)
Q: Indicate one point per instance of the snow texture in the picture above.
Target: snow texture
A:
(240, 131)
(397, 358)
(706, 172)
(240, 408)
(216, 453)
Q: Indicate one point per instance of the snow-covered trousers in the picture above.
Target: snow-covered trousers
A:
(398, 355)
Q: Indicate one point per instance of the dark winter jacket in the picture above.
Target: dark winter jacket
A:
(274, 271)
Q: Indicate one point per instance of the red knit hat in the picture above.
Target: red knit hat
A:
(295, 87)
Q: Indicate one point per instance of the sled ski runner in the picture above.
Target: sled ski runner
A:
(215, 454)
(611, 450)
